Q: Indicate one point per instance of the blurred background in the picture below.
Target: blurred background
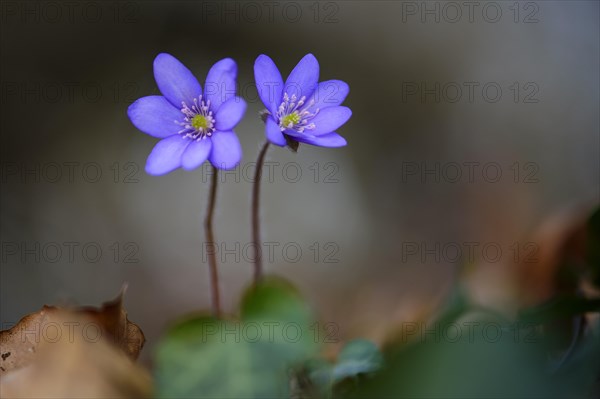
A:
(471, 125)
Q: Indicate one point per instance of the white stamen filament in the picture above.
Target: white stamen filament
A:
(199, 107)
(289, 106)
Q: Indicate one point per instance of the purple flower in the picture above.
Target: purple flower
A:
(193, 127)
(302, 108)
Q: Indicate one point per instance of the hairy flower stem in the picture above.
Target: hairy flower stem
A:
(258, 266)
(211, 246)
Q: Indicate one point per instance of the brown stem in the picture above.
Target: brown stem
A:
(258, 266)
(210, 245)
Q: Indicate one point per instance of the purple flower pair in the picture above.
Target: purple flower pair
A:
(196, 126)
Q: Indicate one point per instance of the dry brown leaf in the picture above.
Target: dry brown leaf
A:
(113, 319)
(74, 364)
(19, 345)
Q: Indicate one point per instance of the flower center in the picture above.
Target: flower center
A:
(294, 114)
(198, 122)
(291, 119)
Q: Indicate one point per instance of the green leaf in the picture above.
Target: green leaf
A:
(284, 317)
(275, 298)
(582, 366)
(191, 355)
(320, 372)
(480, 367)
(357, 357)
(203, 357)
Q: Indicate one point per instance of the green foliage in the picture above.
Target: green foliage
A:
(466, 352)
(357, 359)
(476, 353)
(252, 357)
